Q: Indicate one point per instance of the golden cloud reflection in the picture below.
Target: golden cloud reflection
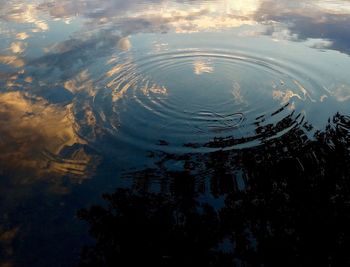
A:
(34, 137)
(114, 70)
(284, 96)
(200, 67)
(13, 61)
(18, 47)
(22, 36)
(124, 44)
(154, 88)
(81, 83)
(125, 77)
(26, 13)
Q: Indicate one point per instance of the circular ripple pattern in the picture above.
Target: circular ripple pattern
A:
(197, 101)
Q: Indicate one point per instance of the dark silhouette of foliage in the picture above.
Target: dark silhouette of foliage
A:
(286, 203)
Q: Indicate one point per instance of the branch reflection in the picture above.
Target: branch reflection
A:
(285, 203)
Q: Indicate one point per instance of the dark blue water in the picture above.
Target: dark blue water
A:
(168, 133)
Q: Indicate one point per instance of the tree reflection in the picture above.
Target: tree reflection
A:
(151, 228)
(287, 203)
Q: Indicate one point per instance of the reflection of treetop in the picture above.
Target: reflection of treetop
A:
(282, 204)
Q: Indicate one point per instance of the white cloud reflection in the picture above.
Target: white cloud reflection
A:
(282, 19)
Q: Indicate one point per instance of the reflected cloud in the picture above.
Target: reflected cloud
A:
(160, 47)
(342, 93)
(81, 50)
(284, 20)
(110, 25)
(13, 61)
(154, 89)
(200, 67)
(114, 70)
(24, 13)
(284, 96)
(125, 76)
(22, 36)
(323, 20)
(60, 89)
(28, 79)
(321, 44)
(81, 83)
(237, 93)
(18, 47)
(40, 139)
(124, 44)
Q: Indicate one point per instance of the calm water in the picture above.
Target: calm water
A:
(218, 133)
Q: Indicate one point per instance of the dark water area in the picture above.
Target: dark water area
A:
(173, 133)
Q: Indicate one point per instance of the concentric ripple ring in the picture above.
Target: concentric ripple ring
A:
(202, 101)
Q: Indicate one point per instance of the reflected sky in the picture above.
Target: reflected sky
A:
(90, 87)
(66, 66)
(325, 21)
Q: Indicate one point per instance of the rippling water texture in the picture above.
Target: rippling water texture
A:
(240, 100)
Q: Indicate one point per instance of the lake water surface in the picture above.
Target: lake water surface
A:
(218, 132)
